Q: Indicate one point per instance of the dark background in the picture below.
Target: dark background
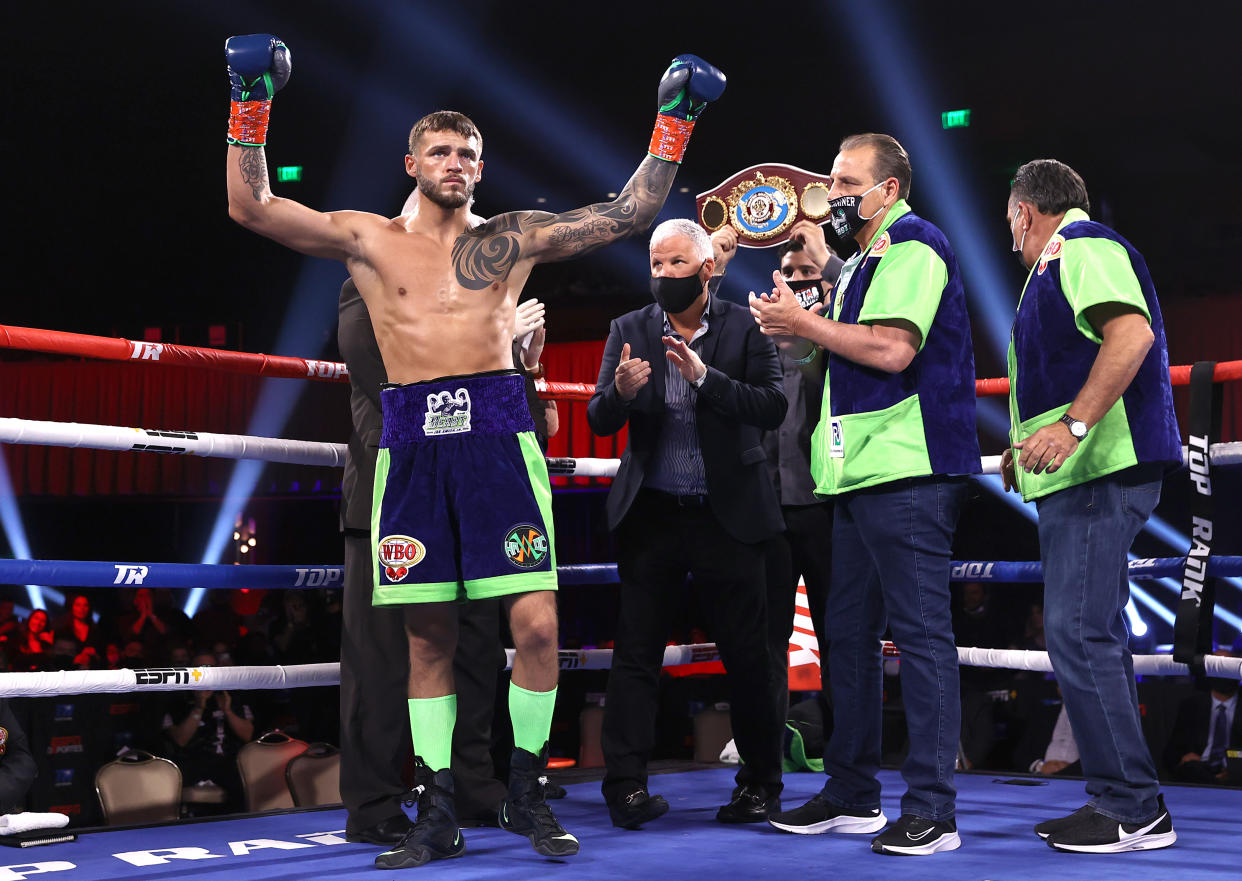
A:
(116, 115)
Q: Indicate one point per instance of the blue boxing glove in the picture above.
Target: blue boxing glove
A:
(259, 65)
(688, 85)
(685, 89)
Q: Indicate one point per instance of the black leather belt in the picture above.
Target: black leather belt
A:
(691, 501)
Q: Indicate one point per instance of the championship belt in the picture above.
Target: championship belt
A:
(762, 202)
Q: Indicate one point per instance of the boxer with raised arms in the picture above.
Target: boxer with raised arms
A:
(463, 506)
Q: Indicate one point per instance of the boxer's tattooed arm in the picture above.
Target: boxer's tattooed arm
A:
(561, 236)
(488, 252)
(253, 164)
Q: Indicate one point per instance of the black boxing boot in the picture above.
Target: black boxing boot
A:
(435, 834)
(525, 810)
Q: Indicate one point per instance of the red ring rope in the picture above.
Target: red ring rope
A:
(117, 349)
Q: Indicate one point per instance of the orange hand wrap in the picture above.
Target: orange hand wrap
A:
(669, 138)
(248, 122)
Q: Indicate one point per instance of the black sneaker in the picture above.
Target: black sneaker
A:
(1096, 833)
(917, 836)
(819, 815)
(1048, 827)
(637, 808)
(435, 835)
(525, 810)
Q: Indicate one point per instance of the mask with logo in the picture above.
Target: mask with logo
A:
(809, 291)
(677, 294)
(843, 213)
(1019, 245)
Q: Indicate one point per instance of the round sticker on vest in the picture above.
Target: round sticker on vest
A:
(1051, 252)
(880, 248)
(526, 546)
(398, 554)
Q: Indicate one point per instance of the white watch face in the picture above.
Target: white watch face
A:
(1078, 429)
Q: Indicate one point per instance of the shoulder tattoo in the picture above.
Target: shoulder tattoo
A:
(486, 253)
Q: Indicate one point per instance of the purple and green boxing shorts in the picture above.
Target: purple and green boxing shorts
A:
(463, 506)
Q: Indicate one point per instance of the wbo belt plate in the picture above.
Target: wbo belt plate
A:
(763, 201)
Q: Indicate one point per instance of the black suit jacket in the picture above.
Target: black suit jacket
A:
(356, 339)
(17, 765)
(739, 400)
(1190, 731)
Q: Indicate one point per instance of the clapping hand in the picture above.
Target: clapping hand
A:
(631, 375)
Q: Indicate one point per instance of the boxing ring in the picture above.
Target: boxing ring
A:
(995, 814)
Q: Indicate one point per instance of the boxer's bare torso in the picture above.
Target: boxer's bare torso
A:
(440, 284)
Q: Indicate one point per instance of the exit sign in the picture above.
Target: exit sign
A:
(955, 119)
(293, 173)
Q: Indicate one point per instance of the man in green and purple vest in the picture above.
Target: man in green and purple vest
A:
(1092, 431)
(894, 446)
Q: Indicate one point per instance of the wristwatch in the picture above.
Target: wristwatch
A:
(1077, 427)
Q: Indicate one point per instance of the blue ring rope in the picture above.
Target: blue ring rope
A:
(86, 574)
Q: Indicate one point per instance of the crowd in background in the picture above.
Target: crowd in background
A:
(199, 730)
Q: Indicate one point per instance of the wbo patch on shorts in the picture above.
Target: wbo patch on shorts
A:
(398, 554)
(526, 546)
(447, 413)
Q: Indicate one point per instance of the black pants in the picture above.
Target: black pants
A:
(803, 550)
(658, 543)
(375, 720)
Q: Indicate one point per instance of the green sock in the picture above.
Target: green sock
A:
(531, 712)
(431, 726)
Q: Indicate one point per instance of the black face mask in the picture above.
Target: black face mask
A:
(844, 216)
(1224, 686)
(809, 291)
(677, 294)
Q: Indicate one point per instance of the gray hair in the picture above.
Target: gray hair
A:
(679, 226)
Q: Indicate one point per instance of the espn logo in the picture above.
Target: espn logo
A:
(59, 746)
(165, 675)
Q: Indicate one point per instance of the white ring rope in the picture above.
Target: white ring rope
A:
(1146, 665)
(1219, 454)
(304, 675)
(583, 467)
(166, 679)
(188, 443)
(295, 452)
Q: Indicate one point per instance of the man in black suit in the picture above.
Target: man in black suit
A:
(17, 765)
(1207, 731)
(375, 660)
(698, 384)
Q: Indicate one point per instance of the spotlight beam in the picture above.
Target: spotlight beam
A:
(15, 531)
(903, 79)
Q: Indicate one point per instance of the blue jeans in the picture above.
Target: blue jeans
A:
(890, 561)
(1085, 533)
